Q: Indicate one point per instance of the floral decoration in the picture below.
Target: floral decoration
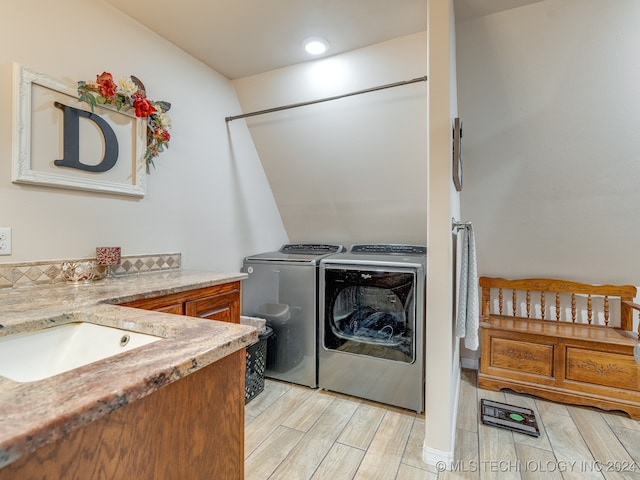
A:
(129, 93)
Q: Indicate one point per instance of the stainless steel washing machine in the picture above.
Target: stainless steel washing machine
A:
(372, 316)
(282, 287)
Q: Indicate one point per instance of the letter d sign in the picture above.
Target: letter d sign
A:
(71, 140)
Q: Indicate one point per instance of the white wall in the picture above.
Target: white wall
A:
(442, 348)
(208, 196)
(351, 170)
(550, 102)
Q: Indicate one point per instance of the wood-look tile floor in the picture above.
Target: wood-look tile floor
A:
(297, 433)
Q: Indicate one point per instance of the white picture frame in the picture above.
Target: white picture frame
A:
(38, 139)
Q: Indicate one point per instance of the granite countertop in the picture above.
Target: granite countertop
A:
(36, 413)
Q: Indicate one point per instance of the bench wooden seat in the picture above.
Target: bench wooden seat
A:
(563, 341)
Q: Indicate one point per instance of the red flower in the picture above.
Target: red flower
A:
(106, 85)
(143, 107)
(162, 135)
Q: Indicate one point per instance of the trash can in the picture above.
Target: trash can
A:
(286, 349)
(256, 362)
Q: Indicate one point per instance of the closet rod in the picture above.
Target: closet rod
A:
(302, 104)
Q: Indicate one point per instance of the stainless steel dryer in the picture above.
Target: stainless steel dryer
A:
(282, 287)
(372, 304)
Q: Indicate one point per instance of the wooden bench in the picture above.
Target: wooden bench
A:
(563, 341)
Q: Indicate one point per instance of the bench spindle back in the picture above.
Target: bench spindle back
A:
(561, 289)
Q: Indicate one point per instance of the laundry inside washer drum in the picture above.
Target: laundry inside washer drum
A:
(367, 322)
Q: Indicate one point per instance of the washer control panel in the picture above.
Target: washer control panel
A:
(389, 249)
(310, 249)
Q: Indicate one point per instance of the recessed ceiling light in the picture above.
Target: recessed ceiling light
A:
(315, 45)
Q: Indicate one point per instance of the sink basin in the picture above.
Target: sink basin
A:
(32, 356)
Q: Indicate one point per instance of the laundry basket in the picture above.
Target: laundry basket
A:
(256, 358)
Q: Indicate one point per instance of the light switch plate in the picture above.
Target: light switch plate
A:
(5, 240)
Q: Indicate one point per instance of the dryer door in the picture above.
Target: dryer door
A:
(370, 312)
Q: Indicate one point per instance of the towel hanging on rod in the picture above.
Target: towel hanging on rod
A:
(311, 102)
(467, 320)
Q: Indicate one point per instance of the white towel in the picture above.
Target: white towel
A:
(467, 318)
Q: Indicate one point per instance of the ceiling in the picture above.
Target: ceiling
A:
(469, 9)
(244, 38)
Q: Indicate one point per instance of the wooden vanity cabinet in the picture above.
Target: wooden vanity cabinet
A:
(219, 302)
(190, 429)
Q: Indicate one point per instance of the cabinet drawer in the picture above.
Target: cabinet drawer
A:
(522, 356)
(224, 307)
(176, 308)
(601, 368)
(160, 304)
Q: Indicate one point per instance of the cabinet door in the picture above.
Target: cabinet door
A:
(224, 307)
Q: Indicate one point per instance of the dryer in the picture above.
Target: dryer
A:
(372, 316)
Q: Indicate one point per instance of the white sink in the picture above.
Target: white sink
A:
(32, 356)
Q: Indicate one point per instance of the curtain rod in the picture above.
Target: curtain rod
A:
(302, 104)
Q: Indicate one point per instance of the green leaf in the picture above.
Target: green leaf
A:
(89, 99)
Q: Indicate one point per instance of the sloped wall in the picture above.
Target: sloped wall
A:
(351, 170)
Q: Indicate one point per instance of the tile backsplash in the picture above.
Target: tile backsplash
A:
(26, 273)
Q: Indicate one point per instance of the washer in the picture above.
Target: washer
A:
(372, 304)
(282, 287)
